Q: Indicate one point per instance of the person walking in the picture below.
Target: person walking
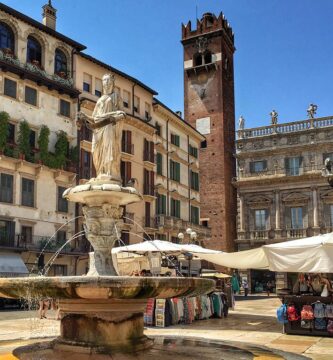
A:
(269, 287)
(245, 285)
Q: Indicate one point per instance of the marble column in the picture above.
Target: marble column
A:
(277, 215)
(241, 213)
(315, 211)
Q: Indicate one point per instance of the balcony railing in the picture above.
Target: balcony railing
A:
(286, 127)
(149, 222)
(149, 156)
(296, 233)
(259, 235)
(37, 70)
(127, 148)
(149, 189)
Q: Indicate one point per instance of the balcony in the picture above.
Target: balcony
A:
(64, 84)
(259, 235)
(149, 156)
(149, 222)
(286, 128)
(296, 233)
(149, 189)
(173, 223)
(127, 148)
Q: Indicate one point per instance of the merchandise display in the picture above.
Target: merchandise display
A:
(166, 312)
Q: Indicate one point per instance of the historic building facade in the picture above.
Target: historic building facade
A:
(281, 192)
(159, 154)
(38, 104)
(209, 107)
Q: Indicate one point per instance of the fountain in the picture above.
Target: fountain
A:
(100, 312)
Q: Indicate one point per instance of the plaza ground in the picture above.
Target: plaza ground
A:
(252, 322)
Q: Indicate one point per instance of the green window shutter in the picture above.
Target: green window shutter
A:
(177, 140)
(178, 172)
(159, 164)
(178, 208)
(163, 204)
(171, 169)
(251, 167)
(286, 165)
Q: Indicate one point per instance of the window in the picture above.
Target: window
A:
(86, 82)
(62, 204)
(148, 182)
(158, 129)
(11, 133)
(126, 172)
(195, 215)
(208, 57)
(34, 51)
(258, 166)
(32, 139)
(175, 239)
(197, 59)
(148, 220)
(7, 233)
(86, 161)
(60, 63)
(30, 96)
(136, 105)
(159, 163)
(174, 171)
(148, 151)
(59, 270)
(124, 238)
(203, 144)
(296, 217)
(193, 151)
(10, 88)
(175, 139)
(161, 204)
(293, 165)
(194, 180)
(126, 142)
(147, 112)
(98, 87)
(26, 234)
(6, 37)
(175, 208)
(6, 188)
(28, 191)
(65, 108)
(261, 217)
(126, 99)
(61, 237)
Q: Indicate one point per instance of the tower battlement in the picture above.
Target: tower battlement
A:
(207, 24)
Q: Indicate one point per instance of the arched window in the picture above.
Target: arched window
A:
(60, 63)
(34, 51)
(6, 37)
(208, 57)
(197, 59)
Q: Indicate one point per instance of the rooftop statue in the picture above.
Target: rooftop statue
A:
(106, 125)
(274, 117)
(312, 110)
(241, 123)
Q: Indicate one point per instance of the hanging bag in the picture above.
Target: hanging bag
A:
(292, 313)
(307, 313)
(281, 314)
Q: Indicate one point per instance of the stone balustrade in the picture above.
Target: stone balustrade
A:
(285, 128)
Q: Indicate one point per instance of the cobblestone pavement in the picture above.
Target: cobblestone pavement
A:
(252, 322)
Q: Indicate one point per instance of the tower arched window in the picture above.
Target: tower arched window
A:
(34, 51)
(197, 59)
(208, 57)
(7, 39)
(60, 63)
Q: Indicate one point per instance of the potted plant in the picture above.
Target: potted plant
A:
(61, 149)
(23, 141)
(43, 143)
(4, 130)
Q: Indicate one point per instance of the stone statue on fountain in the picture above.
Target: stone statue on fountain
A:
(106, 124)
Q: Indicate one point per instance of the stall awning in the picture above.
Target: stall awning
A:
(12, 265)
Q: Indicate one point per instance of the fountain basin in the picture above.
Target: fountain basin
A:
(102, 314)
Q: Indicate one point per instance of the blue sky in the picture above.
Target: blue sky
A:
(284, 56)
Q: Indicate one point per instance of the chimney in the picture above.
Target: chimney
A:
(49, 15)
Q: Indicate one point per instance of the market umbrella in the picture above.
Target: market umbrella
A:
(313, 254)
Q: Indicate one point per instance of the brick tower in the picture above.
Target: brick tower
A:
(210, 107)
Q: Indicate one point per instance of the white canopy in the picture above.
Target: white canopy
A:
(164, 247)
(12, 265)
(313, 254)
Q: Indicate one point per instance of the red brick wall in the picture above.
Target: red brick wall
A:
(217, 164)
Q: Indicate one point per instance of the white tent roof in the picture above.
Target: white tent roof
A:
(313, 254)
(163, 247)
(11, 265)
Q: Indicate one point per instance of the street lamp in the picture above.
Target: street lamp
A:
(188, 231)
(180, 236)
